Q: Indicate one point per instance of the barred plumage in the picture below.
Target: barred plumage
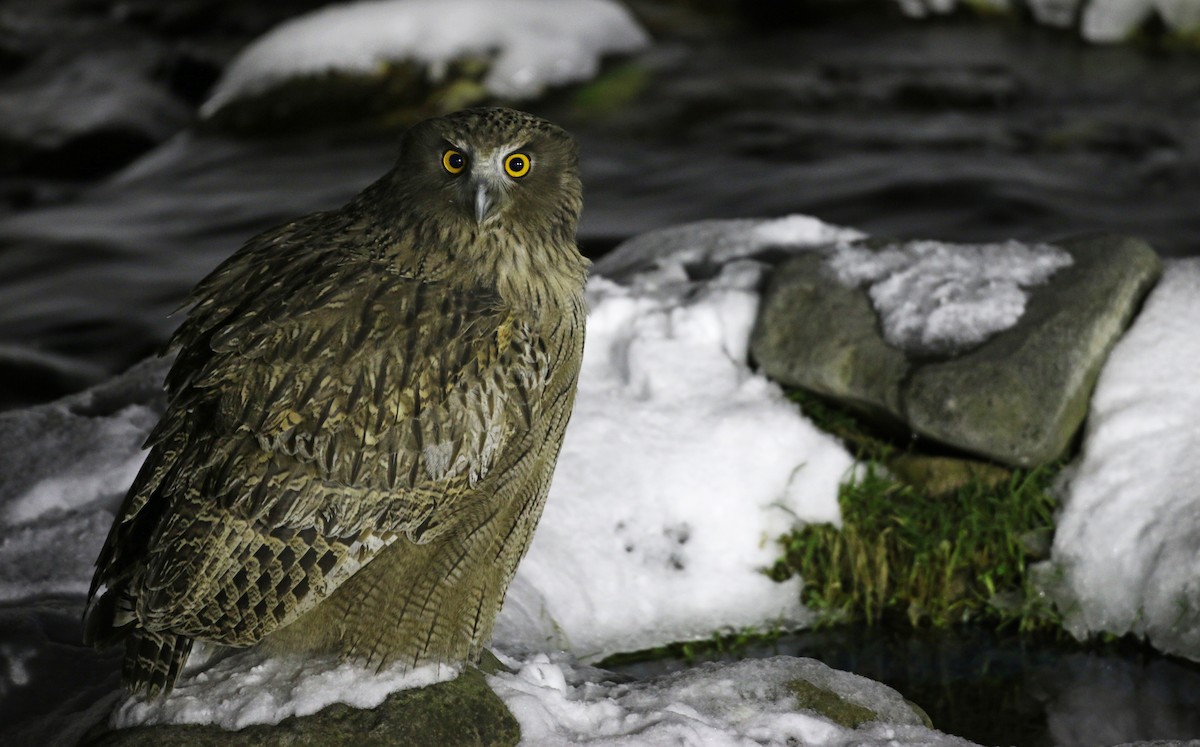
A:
(365, 411)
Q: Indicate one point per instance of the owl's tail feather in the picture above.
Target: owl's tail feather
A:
(153, 661)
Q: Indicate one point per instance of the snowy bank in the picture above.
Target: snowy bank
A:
(535, 43)
(1125, 553)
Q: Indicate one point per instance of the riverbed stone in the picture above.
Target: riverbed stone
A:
(463, 712)
(1018, 398)
(395, 92)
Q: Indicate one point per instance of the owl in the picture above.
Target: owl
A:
(364, 413)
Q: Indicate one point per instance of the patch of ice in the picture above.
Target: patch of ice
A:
(1126, 543)
(252, 687)
(536, 43)
(943, 299)
(747, 702)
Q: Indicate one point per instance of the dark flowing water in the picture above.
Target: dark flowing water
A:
(955, 131)
(998, 690)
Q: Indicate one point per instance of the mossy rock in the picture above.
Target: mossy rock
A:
(399, 92)
(829, 704)
(810, 697)
(463, 712)
(1017, 398)
(937, 476)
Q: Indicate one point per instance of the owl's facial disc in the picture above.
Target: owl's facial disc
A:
(487, 178)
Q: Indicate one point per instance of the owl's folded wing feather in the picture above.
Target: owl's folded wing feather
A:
(320, 408)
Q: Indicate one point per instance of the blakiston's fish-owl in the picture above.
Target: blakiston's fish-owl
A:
(364, 414)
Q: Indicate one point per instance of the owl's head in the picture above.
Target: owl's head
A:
(493, 164)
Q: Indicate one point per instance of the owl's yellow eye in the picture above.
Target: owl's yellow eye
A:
(516, 165)
(454, 161)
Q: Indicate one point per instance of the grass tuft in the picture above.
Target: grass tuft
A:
(904, 556)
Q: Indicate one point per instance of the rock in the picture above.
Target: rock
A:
(848, 699)
(401, 61)
(398, 91)
(830, 705)
(1017, 398)
(463, 711)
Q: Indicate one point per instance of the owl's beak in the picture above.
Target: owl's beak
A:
(484, 201)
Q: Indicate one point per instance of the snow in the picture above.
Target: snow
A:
(535, 43)
(679, 469)
(1100, 21)
(1125, 551)
(251, 687)
(1115, 20)
(694, 249)
(936, 298)
(743, 703)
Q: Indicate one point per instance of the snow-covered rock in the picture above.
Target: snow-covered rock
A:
(1100, 21)
(992, 349)
(535, 43)
(935, 298)
(749, 702)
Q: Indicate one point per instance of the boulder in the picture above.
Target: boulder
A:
(1017, 398)
(463, 711)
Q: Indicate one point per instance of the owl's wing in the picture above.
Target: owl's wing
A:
(320, 408)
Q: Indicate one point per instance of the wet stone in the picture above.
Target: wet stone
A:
(1017, 398)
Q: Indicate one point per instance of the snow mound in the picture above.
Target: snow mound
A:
(715, 705)
(252, 687)
(941, 299)
(1126, 543)
(536, 43)
(680, 468)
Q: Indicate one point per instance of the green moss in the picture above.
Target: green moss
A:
(911, 555)
(612, 92)
(809, 697)
(722, 644)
